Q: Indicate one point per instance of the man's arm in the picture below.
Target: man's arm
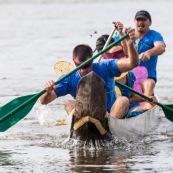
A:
(133, 60)
(120, 27)
(158, 49)
(49, 95)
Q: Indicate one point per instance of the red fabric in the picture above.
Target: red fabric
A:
(115, 55)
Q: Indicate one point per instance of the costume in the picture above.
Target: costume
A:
(144, 44)
(107, 70)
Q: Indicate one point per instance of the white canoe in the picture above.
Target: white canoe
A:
(135, 126)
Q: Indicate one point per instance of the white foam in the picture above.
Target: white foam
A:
(47, 117)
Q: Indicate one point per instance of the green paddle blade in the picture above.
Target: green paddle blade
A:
(15, 110)
(168, 110)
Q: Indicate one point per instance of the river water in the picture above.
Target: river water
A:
(33, 37)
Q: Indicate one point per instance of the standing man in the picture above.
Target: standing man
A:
(149, 44)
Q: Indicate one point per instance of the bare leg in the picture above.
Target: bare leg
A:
(69, 106)
(120, 107)
(148, 90)
(148, 87)
(145, 106)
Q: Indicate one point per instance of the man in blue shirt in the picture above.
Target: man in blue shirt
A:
(149, 44)
(107, 70)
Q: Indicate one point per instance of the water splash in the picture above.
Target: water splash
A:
(47, 117)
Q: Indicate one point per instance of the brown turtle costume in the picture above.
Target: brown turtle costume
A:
(90, 118)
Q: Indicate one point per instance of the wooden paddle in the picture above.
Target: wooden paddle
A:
(18, 108)
(108, 41)
(167, 109)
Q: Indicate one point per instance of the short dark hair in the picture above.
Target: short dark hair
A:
(143, 14)
(83, 52)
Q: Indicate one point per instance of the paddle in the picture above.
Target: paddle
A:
(108, 41)
(18, 108)
(167, 109)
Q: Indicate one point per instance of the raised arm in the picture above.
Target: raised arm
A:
(120, 27)
(133, 60)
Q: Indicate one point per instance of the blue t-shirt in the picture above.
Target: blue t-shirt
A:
(107, 70)
(146, 43)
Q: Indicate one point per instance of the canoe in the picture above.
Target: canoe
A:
(135, 126)
(90, 121)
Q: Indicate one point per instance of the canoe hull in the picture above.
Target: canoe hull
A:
(135, 126)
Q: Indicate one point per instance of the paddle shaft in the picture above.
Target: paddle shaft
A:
(143, 96)
(108, 41)
(134, 91)
(36, 96)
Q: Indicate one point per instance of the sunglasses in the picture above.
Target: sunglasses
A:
(84, 67)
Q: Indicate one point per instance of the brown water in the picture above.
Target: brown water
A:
(33, 37)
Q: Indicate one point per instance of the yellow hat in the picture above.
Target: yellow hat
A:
(122, 75)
